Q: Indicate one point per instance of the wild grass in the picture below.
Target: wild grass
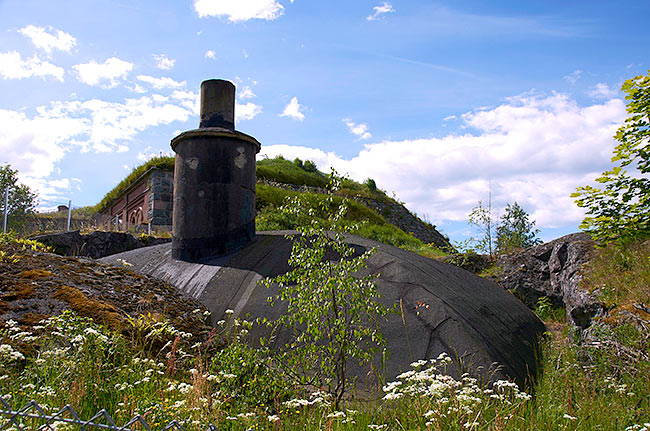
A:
(373, 226)
(597, 379)
(70, 360)
(620, 274)
(287, 172)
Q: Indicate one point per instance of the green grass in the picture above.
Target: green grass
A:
(373, 226)
(278, 169)
(287, 172)
(620, 274)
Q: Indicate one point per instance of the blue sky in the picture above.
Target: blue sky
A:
(436, 100)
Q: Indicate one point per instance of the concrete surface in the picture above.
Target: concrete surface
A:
(446, 309)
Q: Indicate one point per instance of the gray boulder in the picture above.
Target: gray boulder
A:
(442, 308)
(553, 270)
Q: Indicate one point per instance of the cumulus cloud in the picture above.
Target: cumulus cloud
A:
(192, 101)
(360, 130)
(245, 93)
(293, 110)
(148, 154)
(188, 99)
(574, 76)
(108, 72)
(162, 62)
(602, 91)
(160, 83)
(379, 10)
(12, 66)
(210, 54)
(246, 111)
(34, 145)
(49, 39)
(534, 149)
(240, 10)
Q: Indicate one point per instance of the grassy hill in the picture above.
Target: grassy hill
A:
(385, 219)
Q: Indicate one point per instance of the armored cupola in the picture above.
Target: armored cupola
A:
(214, 180)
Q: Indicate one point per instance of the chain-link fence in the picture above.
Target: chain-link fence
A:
(33, 417)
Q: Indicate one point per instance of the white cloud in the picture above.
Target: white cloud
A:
(360, 130)
(12, 66)
(574, 76)
(210, 54)
(192, 102)
(381, 9)
(136, 88)
(246, 93)
(244, 53)
(113, 125)
(49, 39)
(160, 83)
(534, 149)
(35, 144)
(189, 100)
(293, 110)
(162, 62)
(247, 111)
(240, 10)
(111, 70)
(148, 154)
(602, 91)
(449, 118)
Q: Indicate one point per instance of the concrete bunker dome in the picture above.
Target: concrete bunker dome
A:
(214, 180)
(213, 259)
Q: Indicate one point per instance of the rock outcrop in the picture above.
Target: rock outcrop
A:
(553, 270)
(35, 285)
(398, 215)
(96, 244)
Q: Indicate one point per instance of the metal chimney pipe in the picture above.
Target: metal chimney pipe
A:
(214, 180)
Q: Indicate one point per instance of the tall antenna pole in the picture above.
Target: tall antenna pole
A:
(69, 213)
(4, 228)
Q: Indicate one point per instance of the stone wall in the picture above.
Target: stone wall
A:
(160, 198)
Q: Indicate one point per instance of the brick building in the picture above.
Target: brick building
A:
(147, 201)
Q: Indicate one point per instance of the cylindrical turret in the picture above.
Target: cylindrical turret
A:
(214, 180)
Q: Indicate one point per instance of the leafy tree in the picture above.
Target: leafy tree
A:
(482, 218)
(22, 200)
(310, 166)
(514, 230)
(620, 210)
(332, 312)
(371, 184)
